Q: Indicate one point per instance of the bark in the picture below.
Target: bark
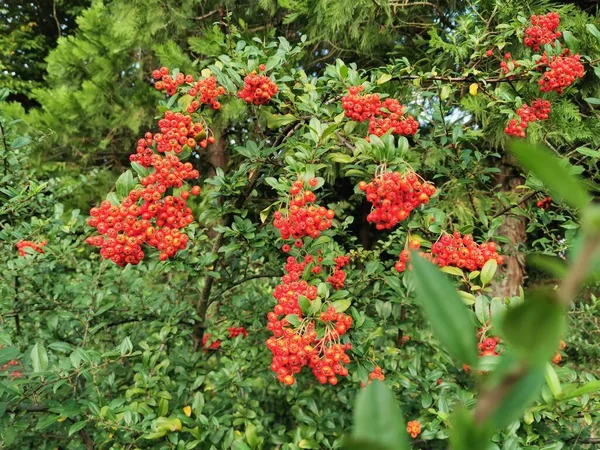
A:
(511, 274)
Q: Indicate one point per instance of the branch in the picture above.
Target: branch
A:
(207, 15)
(345, 141)
(56, 18)
(490, 400)
(250, 277)
(523, 200)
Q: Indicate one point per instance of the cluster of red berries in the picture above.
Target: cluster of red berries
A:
(394, 120)
(460, 251)
(539, 110)
(214, 345)
(294, 348)
(504, 64)
(382, 116)
(123, 229)
(236, 331)
(12, 363)
(209, 344)
(359, 107)
(404, 257)
(542, 30)
(167, 83)
(544, 203)
(22, 245)
(413, 428)
(304, 217)
(207, 92)
(205, 89)
(488, 347)
(561, 71)
(394, 196)
(258, 89)
(376, 374)
(557, 358)
(338, 277)
(177, 130)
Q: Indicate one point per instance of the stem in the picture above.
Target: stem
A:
(523, 200)
(489, 401)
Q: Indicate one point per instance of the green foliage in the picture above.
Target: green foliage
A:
(114, 356)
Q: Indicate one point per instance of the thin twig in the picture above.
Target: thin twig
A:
(523, 200)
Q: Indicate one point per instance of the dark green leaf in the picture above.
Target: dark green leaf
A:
(378, 419)
(446, 312)
(534, 327)
(542, 163)
(125, 184)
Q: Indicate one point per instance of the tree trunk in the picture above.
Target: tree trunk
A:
(511, 274)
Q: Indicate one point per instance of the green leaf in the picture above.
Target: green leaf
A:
(552, 380)
(8, 353)
(488, 271)
(76, 427)
(593, 30)
(534, 327)
(304, 304)
(518, 396)
(140, 170)
(542, 163)
(280, 120)
(340, 158)
(167, 424)
(341, 305)
(587, 388)
(251, 435)
(571, 41)
(378, 419)
(445, 311)
(384, 78)
(552, 265)
(293, 319)
(465, 435)
(125, 184)
(452, 271)
(39, 358)
(592, 100)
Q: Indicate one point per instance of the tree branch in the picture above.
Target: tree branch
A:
(523, 200)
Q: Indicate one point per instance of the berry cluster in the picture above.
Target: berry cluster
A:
(167, 83)
(304, 217)
(376, 374)
(539, 110)
(542, 30)
(561, 71)
(457, 251)
(207, 92)
(338, 277)
(404, 257)
(258, 89)
(359, 107)
(296, 347)
(22, 245)
(123, 229)
(394, 196)
(488, 347)
(413, 428)
(382, 116)
(236, 331)
(544, 203)
(205, 89)
(557, 358)
(214, 345)
(393, 120)
(504, 64)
